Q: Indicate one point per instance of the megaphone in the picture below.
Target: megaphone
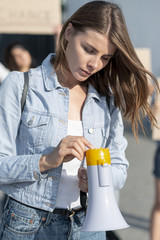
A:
(103, 213)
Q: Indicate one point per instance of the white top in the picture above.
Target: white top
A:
(3, 72)
(68, 192)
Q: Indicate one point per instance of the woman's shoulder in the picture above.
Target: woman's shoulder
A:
(13, 80)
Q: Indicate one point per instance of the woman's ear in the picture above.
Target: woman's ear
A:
(69, 31)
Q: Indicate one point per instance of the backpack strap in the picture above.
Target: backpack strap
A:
(108, 102)
(83, 199)
(25, 90)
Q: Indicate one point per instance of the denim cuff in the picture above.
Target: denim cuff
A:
(34, 168)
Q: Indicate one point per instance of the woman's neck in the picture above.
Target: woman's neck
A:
(67, 80)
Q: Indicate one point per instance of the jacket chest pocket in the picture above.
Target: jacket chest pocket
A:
(98, 135)
(101, 136)
(105, 136)
(33, 128)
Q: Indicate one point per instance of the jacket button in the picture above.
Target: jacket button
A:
(36, 176)
(49, 205)
(90, 130)
(54, 178)
(30, 122)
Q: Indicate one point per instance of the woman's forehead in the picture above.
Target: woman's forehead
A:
(97, 40)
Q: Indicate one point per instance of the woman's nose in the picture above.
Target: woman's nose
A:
(93, 63)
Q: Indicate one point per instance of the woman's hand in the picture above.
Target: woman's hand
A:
(83, 179)
(68, 148)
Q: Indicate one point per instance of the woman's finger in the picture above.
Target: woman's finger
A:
(82, 173)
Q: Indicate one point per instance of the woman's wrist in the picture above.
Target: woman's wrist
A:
(46, 164)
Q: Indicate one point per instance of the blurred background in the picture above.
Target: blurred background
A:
(36, 24)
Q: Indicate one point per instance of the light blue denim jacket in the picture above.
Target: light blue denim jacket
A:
(38, 130)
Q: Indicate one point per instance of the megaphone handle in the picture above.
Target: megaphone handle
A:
(83, 199)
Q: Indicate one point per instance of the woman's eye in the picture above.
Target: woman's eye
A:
(87, 50)
(105, 58)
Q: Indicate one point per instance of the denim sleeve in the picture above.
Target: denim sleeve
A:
(117, 144)
(14, 168)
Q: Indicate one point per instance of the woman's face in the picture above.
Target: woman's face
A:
(22, 57)
(87, 52)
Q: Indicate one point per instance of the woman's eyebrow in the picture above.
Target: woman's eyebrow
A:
(94, 49)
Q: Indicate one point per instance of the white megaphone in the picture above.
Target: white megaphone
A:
(103, 213)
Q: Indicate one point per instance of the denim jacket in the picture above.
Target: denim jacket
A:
(41, 126)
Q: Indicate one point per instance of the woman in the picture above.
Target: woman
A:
(17, 57)
(66, 112)
(3, 72)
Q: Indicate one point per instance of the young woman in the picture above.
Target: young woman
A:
(66, 112)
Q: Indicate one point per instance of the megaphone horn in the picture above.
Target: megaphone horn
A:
(103, 213)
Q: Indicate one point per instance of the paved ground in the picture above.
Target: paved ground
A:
(136, 198)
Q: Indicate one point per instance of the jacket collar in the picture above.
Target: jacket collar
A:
(50, 77)
(92, 92)
(51, 80)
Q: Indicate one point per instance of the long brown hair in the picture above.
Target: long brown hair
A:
(124, 75)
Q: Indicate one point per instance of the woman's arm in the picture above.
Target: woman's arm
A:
(117, 144)
(14, 168)
(28, 168)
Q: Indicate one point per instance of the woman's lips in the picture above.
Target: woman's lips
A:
(85, 72)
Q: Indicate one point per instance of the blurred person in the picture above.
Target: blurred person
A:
(66, 113)
(155, 213)
(57, 30)
(17, 57)
(3, 72)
